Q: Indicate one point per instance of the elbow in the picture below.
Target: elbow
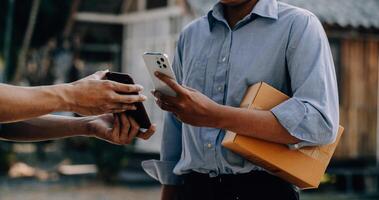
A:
(329, 138)
(330, 128)
(326, 134)
(318, 131)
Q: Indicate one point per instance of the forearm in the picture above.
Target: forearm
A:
(44, 128)
(21, 103)
(253, 123)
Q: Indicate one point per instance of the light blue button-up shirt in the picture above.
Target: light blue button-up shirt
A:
(279, 44)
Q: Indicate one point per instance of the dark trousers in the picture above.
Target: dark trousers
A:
(257, 185)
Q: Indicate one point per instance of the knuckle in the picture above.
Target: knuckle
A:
(128, 88)
(111, 96)
(124, 140)
(127, 126)
(107, 107)
(147, 136)
(129, 99)
(144, 137)
(107, 84)
(132, 99)
(182, 106)
(135, 128)
(187, 94)
(134, 88)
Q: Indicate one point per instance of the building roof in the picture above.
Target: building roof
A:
(344, 13)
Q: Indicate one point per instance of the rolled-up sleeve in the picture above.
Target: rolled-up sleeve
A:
(312, 114)
(171, 147)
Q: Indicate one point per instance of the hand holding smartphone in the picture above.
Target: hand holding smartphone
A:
(159, 62)
(139, 115)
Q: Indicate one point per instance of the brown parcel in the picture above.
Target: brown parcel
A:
(303, 167)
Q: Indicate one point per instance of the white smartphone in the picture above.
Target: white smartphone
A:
(159, 62)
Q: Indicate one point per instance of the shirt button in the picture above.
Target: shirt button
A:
(223, 59)
(209, 145)
(219, 88)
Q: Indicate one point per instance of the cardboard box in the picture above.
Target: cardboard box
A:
(303, 167)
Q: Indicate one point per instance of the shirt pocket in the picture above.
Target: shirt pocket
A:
(195, 74)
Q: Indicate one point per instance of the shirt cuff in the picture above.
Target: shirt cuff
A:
(290, 114)
(162, 171)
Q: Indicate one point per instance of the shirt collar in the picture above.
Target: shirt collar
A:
(263, 8)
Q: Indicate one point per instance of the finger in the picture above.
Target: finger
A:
(147, 134)
(133, 130)
(125, 129)
(126, 88)
(165, 98)
(128, 99)
(113, 137)
(189, 88)
(170, 82)
(123, 107)
(153, 93)
(164, 106)
(99, 75)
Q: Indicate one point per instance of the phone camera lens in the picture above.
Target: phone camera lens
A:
(162, 59)
(164, 66)
(158, 62)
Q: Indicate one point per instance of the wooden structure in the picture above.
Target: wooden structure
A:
(357, 62)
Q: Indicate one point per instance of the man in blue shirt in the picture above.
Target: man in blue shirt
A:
(237, 44)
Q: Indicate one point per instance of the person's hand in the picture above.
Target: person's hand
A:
(189, 106)
(117, 129)
(92, 95)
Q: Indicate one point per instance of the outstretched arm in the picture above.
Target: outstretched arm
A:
(88, 96)
(114, 128)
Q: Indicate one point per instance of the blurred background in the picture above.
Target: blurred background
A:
(48, 42)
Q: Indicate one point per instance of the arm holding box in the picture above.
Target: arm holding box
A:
(312, 114)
